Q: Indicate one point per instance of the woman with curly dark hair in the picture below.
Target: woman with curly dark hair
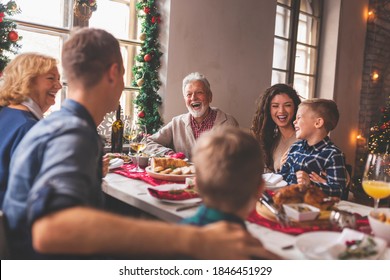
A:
(272, 123)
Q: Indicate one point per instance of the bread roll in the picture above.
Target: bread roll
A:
(165, 163)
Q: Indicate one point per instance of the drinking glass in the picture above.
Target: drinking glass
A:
(376, 178)
(137, 138)
(127, 133)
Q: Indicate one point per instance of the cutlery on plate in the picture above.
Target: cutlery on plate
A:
(186, 207)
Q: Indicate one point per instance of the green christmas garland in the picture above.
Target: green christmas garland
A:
(145, 71)
(8, 36)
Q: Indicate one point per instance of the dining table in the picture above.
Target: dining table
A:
(134, 192)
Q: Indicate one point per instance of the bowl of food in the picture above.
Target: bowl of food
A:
(143, 160)
(301, 211)
(380, 223)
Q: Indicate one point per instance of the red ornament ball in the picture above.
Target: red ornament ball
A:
(147, 57)
(13, 36)
(383, 126)
(141, 114)
(1, 14)
(146, 10)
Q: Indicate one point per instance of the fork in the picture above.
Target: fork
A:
(281, 217)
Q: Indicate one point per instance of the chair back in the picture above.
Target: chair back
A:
(4, 251)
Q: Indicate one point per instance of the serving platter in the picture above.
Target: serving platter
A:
(168, 177)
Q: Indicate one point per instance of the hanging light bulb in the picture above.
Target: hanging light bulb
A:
(375, 76)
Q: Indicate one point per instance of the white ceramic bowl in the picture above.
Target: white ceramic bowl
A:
(379, 228)
(301, 211)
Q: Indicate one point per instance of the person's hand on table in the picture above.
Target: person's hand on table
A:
(224, 240)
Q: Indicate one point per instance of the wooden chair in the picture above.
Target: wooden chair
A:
(4, 251)
(345, 194)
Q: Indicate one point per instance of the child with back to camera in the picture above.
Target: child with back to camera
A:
(229, 165)
(315, 160)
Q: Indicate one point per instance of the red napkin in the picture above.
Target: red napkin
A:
(125, 170)
(361, 223)
(178, 155)
(181, 194)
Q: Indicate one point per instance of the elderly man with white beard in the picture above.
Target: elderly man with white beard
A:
(181, 133)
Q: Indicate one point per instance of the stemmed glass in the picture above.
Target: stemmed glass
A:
(127, 133)
(137, 138)
(376, 178)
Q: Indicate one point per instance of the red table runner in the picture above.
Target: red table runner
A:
(125, 170)
(361, 225)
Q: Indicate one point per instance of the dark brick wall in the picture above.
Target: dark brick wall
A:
(374, 95)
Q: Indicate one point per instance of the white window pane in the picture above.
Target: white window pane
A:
(48, 12)
(117, 23)
(304, 85)
(305, 59)
(280, 54)
(282, 22)
(278, 77)
(42, 43)
(307, 30)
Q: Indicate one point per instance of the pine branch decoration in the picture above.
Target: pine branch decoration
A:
(9, 38)
(145, 71)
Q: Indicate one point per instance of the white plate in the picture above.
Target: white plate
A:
(324, 245)
(169, 187)
(168, 177)
(274, 180)
(115, 163)
(281, 184)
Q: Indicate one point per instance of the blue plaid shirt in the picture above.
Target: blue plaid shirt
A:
(321, 157)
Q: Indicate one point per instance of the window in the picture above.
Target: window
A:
(296, 44)
(45, 32)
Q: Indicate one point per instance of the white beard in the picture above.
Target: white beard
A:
(198, 113)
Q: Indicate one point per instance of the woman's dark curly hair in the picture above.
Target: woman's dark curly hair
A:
(263, 126)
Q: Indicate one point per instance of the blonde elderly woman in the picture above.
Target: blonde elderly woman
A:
(28, 88)
(181, 133)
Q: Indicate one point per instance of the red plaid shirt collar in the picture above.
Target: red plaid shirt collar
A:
(205, 125)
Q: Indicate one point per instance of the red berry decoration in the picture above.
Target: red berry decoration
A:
(13, 36)
(1, 14)
(141, 114)
(147, 57)
(146, 10)
(156, 19)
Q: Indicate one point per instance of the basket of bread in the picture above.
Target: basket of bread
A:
(170, 169)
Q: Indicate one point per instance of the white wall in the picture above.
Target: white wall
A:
(341, 61)
(229, 41)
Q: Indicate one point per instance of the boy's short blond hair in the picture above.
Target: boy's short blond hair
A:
(229, 166)
(325, 109)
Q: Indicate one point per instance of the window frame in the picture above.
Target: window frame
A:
(292, 42)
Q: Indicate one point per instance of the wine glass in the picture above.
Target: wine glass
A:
(137, 138)
(376, 178)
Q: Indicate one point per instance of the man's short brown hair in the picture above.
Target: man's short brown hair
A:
(325, 109)
(229, 166)
(88, 53)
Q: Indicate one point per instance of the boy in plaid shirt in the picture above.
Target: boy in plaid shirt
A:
(315, 160)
